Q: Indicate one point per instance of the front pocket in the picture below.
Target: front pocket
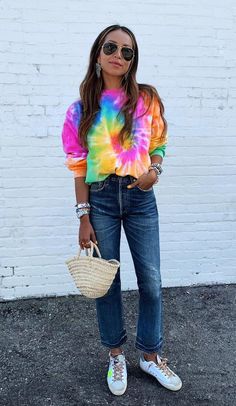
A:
(97, 186)
(147, 190)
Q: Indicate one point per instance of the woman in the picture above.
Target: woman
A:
(114, 138)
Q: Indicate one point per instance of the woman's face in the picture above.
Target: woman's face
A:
(115, 64)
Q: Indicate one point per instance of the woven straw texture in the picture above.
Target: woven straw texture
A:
(92, 275)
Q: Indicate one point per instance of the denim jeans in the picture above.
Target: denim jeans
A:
(113, 204)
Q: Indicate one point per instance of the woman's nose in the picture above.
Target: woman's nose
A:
(118, 52)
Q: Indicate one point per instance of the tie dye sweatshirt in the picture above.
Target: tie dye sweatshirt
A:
(105, 154)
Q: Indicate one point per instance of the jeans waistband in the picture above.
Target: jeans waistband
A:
(117, 178)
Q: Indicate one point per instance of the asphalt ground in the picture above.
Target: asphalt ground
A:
(51, 355)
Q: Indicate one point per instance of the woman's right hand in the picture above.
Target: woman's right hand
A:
(86, 232)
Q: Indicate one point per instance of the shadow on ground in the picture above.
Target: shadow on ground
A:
(51, 355)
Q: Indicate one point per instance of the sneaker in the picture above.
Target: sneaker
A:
(117, 374)
(161, 372)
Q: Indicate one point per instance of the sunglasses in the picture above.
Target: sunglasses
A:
(110, 48)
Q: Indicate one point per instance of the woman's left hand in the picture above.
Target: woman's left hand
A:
(145, 181)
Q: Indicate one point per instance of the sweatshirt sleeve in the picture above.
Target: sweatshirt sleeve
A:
(157, 145)
(76, 154)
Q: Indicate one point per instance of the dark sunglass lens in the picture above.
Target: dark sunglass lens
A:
(127, 53)
(109, 48)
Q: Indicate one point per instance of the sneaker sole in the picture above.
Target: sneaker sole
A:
(118, 393)
(170, 387)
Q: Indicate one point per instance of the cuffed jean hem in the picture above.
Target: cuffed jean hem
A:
(149, 350)
(116, 345)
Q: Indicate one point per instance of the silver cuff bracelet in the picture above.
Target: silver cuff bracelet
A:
(82, 205)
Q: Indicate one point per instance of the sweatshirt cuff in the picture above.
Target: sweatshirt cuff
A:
(77, 166)
(157, 151)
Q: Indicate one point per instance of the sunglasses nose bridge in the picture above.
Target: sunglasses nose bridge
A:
(118, 51)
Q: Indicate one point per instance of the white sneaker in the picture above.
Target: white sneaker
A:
(117, 374)
(161, 372)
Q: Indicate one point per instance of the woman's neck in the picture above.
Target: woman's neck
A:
(112, 83)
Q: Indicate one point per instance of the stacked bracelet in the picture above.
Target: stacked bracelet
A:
(157, 168)
(82, 205)
(82, 208)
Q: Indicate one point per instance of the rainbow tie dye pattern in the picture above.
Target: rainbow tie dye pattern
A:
(105, 154)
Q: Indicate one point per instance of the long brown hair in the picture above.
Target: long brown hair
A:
(92, 86)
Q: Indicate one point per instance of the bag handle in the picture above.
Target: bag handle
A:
(89, 251)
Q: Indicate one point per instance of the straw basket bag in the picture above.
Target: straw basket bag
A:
(92, 275)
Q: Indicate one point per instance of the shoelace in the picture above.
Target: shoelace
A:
(118, 369)
(163, 366)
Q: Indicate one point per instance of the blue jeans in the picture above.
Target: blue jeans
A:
(111, 205)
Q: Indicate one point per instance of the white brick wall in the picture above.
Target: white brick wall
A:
(187, 50)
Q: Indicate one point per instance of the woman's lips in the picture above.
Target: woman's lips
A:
(116, 64)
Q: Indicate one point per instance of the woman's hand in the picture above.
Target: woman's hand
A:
(86, 232)
(145, 181)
